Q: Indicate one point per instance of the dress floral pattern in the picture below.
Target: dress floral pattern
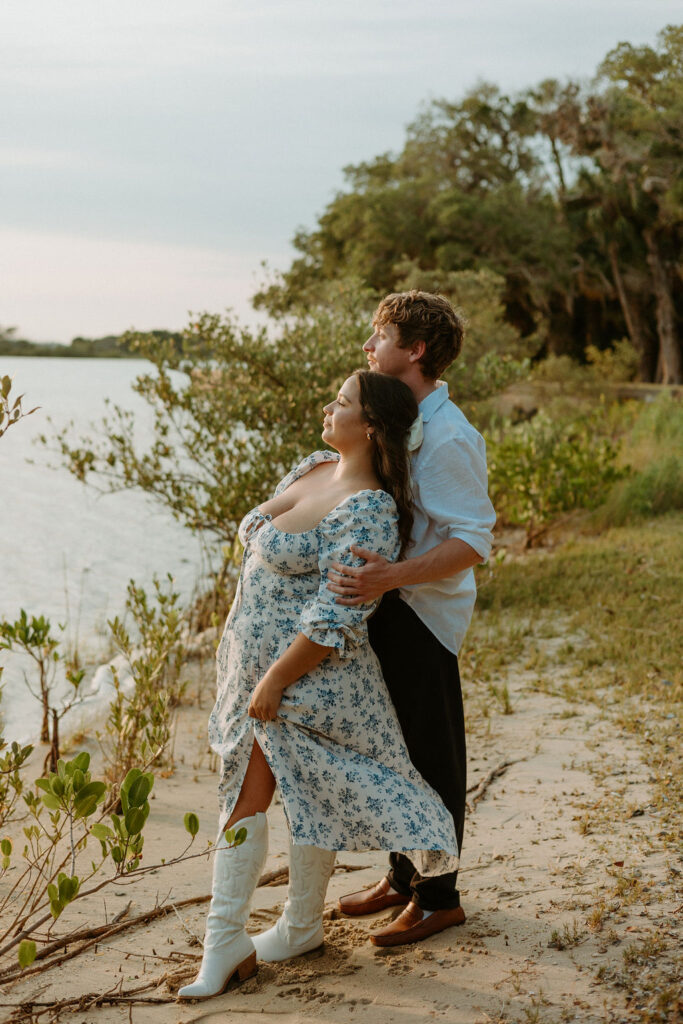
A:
(336, 748)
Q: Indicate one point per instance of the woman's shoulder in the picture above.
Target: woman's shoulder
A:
(316, 459)
(366, 506)
(368, 519)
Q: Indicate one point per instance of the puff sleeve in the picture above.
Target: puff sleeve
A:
(368, 520)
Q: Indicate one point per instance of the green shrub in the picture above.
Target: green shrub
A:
(32, 637)
(612, 365)
(247, 405)
(57, 862)
(542, 468)
(139, 727)
(619, 362)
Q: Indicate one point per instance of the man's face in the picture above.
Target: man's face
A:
(384, 352)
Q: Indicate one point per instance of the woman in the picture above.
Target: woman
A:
(301, 698)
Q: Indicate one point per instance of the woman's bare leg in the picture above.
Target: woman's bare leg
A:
(257, 789)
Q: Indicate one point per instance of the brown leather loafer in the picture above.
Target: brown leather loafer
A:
(372, 900)
(411, 925)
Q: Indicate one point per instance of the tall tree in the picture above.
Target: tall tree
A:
(632, 130)
(571, 195)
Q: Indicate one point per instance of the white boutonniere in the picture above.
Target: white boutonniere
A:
(415, 433)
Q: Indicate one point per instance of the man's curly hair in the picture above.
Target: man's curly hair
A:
(421, 316)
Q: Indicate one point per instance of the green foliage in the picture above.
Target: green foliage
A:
(620, 591)
(615, 364)
(541, 468)
(658, 426)
(603, 366)
(112, 346)
(233, 838)
(26, 953)
(651, 492)
(29, 635)
(10, 410)
(633, 134)
(655, 448)
(33, 637)
(73, 802)
(572, 194)
(11, 784)
(140, 723)
(191, 822)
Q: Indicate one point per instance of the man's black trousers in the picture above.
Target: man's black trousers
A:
(424, 683)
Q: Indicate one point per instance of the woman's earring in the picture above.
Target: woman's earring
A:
(369, 436)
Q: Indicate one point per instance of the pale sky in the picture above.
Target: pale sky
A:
(154, 152)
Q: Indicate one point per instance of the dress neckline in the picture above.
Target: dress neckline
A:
(302, 533)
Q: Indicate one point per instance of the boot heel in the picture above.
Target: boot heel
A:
(247, 969)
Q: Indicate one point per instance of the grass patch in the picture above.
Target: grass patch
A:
(620, 590)
(571, 935)
(652, 491)
(652, 447)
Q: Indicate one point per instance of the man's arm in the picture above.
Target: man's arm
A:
(377, 576)
(453, 496)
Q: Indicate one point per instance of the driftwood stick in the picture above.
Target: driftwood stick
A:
(87, 937)
(77, 936)
(480, 788)
(28, 1012)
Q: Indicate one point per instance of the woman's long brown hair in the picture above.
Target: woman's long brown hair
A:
(389, 406)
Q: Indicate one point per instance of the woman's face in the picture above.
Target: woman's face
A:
(344, 425)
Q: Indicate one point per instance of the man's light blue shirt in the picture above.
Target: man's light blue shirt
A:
(450, 488)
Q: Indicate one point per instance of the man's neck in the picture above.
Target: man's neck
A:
(421, 388)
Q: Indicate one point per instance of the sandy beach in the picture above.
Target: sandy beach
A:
(566, 882)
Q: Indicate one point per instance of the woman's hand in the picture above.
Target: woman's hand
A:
(265, 700)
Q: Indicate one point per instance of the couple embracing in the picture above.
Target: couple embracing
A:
(338, 670)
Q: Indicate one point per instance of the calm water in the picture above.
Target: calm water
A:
(65, 551)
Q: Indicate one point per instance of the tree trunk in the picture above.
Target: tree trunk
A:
(632, 323)
(670, 368)
(53, 756)
(45, 725)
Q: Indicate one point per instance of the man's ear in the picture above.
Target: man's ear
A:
(417, 350)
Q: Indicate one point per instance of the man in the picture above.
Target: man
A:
(420, 624)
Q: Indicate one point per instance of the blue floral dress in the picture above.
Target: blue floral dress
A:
(336, 748)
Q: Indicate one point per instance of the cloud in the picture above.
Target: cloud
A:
(58, 286)
(222, 126)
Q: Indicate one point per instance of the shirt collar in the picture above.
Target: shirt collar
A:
(434, 401)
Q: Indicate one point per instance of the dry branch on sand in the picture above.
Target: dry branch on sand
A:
(85, 938)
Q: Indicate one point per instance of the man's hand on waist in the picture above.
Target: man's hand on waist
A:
(364, 583)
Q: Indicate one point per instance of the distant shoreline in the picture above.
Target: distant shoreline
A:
(112, 346)
(45, 350)
(65, 352)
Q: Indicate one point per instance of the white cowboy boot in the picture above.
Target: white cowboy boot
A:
(300, 927)
(228, 950)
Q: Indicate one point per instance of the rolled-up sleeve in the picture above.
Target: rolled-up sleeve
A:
(368, 520)
(454, 493)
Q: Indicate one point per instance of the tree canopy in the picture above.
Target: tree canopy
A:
(569, 195)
